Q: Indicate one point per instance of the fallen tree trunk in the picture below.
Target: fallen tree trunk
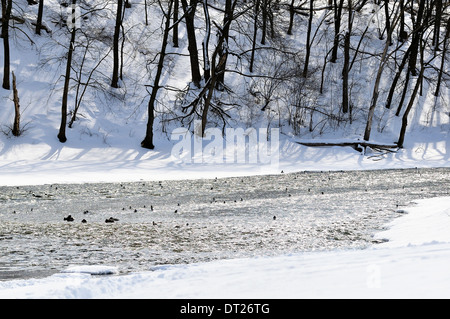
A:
(357, 145)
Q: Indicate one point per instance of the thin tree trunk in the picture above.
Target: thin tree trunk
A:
(401, 138)
(375, 92)
(175, 26)
(337, 26)
(444, 51)
(405, 90)
(403, 35)
(345, 70)
(205, 43)
(308, 39)
(396, 78)
(6, 14)
(115, 76)
(417, 36)
(62, 129)
(16, 125)
(437, 24)
(215, 74)
(264, 22)
(148, 140)
(189, 12)
(146, 12)
(291, 17)
(255, 31)
(223, 48)
(386, 13)
(39, 17)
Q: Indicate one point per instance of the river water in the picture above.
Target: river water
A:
(188, 221)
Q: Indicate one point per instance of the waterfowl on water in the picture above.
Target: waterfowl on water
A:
(111, 220)
(69, 218)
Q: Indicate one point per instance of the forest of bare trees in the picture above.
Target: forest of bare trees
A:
(306, 66)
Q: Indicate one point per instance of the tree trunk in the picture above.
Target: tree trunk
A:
(264, 21)
(417, 36)
(401, 138)
(146, 12)
(437, 24)
(123, 43)
(211, 85)
(308, 39)
(396, 78)
(255, 31)
(205, 43)
(62, 129)
(175, 25)
(444, 51)
(405, 90)
(337, 26)
(148, 140)
(223, 48)
(6, 14)
(403, 35)
(189, 12)
(39, 17)
(16, 125)
(115, 76)
(291, 17)
(345, 70)
(388, 20)
(375, 92)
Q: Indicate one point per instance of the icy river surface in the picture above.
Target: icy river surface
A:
(135, 226)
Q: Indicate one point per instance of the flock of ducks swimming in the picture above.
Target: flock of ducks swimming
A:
(70, 218)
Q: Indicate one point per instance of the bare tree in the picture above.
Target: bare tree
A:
(115, 76)
(148, 140)
(205, 43)
(346, 67)
(337, 26)
(255, 31)
(223, 47)
(437, 24)
(16, 124)
(189, 14)
(308, 38)
(417, 36)
(62, 129)
(6, 15)
(401, 138)
(39, 17)
(375, 93)
(176, 6)
(444, 51)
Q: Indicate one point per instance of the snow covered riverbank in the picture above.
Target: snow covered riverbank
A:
(412, 264)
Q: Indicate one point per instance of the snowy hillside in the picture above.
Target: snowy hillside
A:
(111, 122)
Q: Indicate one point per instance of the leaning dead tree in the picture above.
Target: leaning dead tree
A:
(16, 125)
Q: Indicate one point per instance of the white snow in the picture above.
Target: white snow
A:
(104, 146)
(413, 264)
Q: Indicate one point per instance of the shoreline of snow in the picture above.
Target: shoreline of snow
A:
(409, 265)
(30, 164)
